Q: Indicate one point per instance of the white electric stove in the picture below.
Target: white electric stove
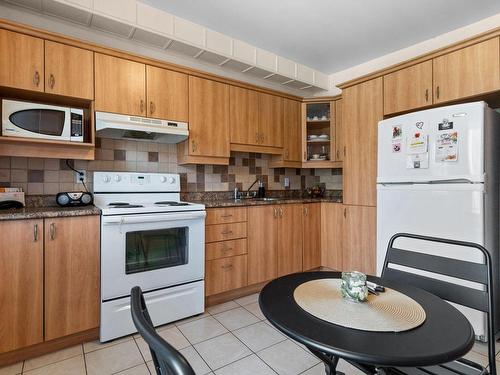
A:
(152, 239)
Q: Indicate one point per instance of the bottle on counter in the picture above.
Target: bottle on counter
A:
(261, 193)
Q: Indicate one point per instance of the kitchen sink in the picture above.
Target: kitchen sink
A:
(267, 199)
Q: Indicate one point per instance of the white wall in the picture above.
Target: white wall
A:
(413, 51)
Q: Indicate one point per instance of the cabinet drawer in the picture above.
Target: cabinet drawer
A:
(225, 249)
(225, 274)
(226, 215)
(221, 232)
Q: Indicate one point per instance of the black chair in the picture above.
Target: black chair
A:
(476, 299)
(167, 360)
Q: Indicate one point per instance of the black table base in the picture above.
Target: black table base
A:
(331, 362)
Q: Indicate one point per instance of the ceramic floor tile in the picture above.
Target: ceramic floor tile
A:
(202, 329)
(343, 366)
(478, 358)
(222, 350)
(96, 345)
(247, 299)
(192, 319)
(287, 358)
(137, 370)
(236, 318)
(482, 348)
(254, 308)
(171, 335)
(113, 359)
(251, 365)
(47, 359)
(197, 363)
(222, 307)
(71, 366)
(14, 369)
(259, 336)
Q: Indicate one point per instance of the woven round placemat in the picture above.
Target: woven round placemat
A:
(390, 311)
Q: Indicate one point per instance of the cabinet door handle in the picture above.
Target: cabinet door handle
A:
(305, 155)
(437, 92)
(142, 106)
(228, 267)
(52, 81)
(36, 78)
(426, 95)
(226, 232)
(193, 144)
(226, 215)
(256, 137)
(275, 212)
(306, 211)
(226, 249)
(344, 150)
(281, 212)
(35, 233)
(152, 107)
(338, 155)
(52, 231)
(345, 213)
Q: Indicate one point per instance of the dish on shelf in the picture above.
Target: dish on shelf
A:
(324, 136)
(316, 157)
(312, 137)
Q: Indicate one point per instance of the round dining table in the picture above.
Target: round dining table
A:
(445, 335)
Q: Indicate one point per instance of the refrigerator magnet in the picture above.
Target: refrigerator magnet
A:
(417, 161)
(447, 147)
(396, 147)
(417, 143)
(397, 132)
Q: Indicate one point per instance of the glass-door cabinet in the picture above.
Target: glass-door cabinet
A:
(319, 134)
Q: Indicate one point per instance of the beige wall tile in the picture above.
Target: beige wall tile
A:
(18, 175)
(51, 176)
(4, 161)
(35, 163)
(4, 175)
(35, 188)
(19, 163)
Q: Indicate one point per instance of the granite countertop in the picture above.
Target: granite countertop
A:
(209, 203)
(48, 211)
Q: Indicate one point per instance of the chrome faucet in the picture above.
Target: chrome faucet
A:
(251, 186)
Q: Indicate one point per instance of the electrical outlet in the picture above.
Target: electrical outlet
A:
(79, 176)
(287, 183)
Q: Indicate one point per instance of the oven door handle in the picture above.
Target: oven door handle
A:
(139, 219)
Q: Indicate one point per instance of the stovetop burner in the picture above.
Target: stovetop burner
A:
(171, 203)
(124, 205)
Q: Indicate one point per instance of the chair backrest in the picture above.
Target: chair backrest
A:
(480, 273)
(167, 360)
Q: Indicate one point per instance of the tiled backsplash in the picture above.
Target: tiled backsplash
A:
(49, 176)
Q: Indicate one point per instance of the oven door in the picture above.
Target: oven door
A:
(151, 250)
(32, 120)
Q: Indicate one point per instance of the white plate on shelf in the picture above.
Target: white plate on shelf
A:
(312, 137)
(324, 136)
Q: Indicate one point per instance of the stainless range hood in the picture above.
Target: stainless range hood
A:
(116, 126)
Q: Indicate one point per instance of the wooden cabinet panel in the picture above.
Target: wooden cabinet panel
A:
(408, 88)
(262, 244)
(312, 236)
(223, 232)
(71, 275)
(226, 215)
(69, 70)
(332, 228)
(359, 242)
(120, 85)
(292, 126)
(167, 94)
(362, 110)
(243, 116)
(21, 61)
(21, 277)
(271, 120)
(339, 132)
(208, 118)
(225, 274)
(224, 249)
(289, 239)
(468, 71)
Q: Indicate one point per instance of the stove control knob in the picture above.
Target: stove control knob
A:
(106, 178)
(117, 178)
(163, 179)
(171, 180)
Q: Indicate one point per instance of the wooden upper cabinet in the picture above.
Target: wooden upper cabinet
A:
(289, 238)
(359, 242)
(271, 120)
(292, 126)
(362, 110)
(71, 275)
(243, 115)
(21, 61)
(467, 72)
(167, 94)
(408, 88)
(69, 71)
(21, 277)
(120, 85)
(339, 131)
(312, 236)
(262, 244)
(208, 118)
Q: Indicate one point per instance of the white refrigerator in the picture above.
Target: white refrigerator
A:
(438, 176)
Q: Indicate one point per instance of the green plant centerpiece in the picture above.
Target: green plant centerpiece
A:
(353, 286)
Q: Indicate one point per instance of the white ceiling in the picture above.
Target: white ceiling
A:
(331, 35)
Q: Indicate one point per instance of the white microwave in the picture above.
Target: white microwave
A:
(33, 120)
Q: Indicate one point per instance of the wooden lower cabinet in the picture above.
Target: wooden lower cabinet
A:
(222, 275)
(359, 241)
(262, 244)
(312, 236)
(21, 278)
(71, 275)
(332, 229)
(289, 248)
